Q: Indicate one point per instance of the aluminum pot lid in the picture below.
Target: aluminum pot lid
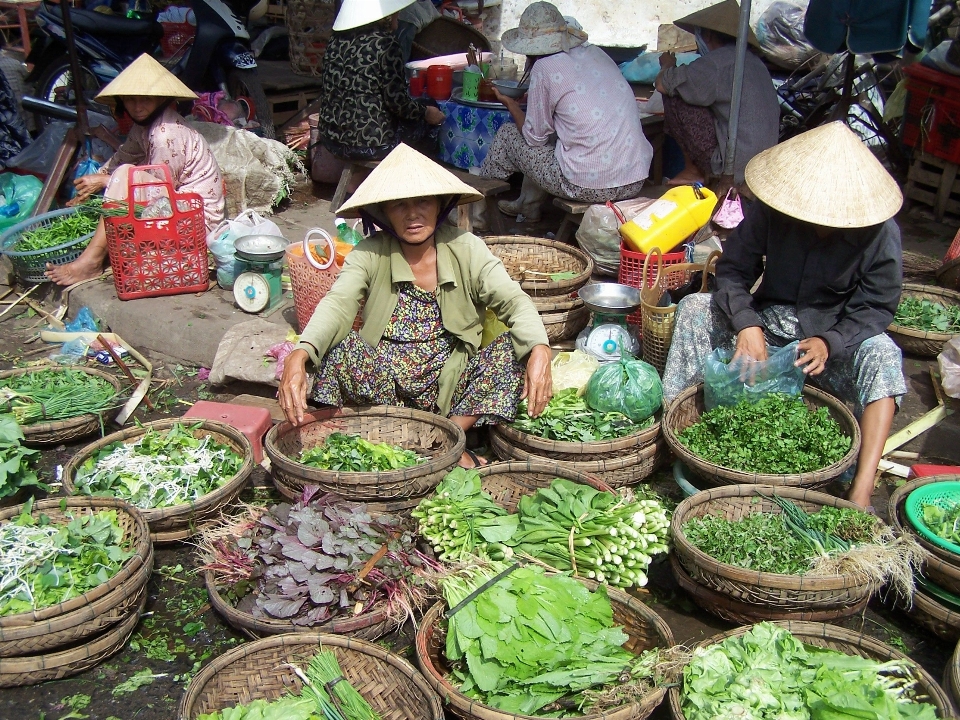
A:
(610, 298)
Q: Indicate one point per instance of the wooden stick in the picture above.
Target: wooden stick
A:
(905, 455)
(936, 387)
(16, 302)
(126, 371)
(57, 322)
(914, 429)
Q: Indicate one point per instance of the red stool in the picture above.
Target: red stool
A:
(922, 470)
(251, 421)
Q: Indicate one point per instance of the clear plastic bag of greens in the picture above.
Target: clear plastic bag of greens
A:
(628, 386)
(573, 370)
(727, 382)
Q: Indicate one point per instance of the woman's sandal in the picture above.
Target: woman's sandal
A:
(478, 462)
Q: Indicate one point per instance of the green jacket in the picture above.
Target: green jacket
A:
(470, 280)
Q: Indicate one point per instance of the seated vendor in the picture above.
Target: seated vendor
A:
(831, 280)
(696, 98)
(580, 137)
(365, 104)
(425, 286)
(160, 136)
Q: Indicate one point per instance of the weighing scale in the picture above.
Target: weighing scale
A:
(259, 265)
(611, 303)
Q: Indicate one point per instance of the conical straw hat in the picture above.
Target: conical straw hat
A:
(145, 77)
(357, 13)
(722, 18)
(826, 176)
(404, 173)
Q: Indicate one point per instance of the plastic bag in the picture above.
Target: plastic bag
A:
(949, 362)
(780, 34)
(599, 232)
(222, 239)
(83, 322)
(727, 383)
(18, 195)
(493, 328)
(646, 66)
(573, 370)
(629, 386)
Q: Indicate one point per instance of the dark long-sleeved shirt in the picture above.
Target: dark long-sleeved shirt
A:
(846, 286)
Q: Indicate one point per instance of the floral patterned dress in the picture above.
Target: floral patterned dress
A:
(405, 366)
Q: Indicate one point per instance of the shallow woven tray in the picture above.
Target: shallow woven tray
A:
(743, 613)
(566, 324)
(645, 630)
(919, 342)
(940, 566)
(938, 619)
(70, 429)
(32, 669)
(178, 522)
(519, 253)
(777, 592)
(430, 435)
(583, 451)
(628, 467)
(951, 677)
(687, 408)
(391, 685)
(842, 640)
(79, 617)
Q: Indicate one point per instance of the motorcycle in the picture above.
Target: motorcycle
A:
(219, 58)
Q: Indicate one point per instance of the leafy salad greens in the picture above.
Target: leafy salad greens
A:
(18, 465)
(568, 418)
(353, 453)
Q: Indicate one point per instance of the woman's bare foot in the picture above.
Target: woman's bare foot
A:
(687, 176)
(83, 268)
(470, 460)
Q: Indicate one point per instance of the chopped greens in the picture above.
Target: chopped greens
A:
(943, 522)
(18, 465)
(568, 418)
(160, 469)
(352, 453)
(927, 315)
(55, 395)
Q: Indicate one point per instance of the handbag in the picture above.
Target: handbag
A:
(730, 212)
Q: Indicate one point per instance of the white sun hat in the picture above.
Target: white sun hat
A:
(357, 13)
(543, 31)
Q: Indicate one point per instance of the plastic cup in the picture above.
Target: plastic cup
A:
(471, 85)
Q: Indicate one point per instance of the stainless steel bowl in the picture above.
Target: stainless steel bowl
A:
(510, 88)
(610, 298)
(261, 248)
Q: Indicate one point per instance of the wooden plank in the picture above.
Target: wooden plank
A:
(571, 206)
(271, 404)
(915, 429)
(943, 193)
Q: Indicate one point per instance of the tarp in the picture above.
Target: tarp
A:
(866, 26)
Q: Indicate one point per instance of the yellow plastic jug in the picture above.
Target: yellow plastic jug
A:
(679, 213)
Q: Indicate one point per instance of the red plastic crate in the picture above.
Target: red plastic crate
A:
(932, 111)
(175, 37)
(925, 470)
(251, 421)
(631, 272)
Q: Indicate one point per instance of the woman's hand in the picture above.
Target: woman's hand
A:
(751, 345)
(434, 116)
(667, 60)
(813, 353)
(87, 185)
(537, 381)
(292, 394)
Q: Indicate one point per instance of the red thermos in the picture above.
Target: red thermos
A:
(439, 82)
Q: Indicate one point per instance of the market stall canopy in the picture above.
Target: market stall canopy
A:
(866, 26)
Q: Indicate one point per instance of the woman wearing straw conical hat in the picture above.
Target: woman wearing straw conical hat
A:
(823, 238)
(160, 136)
(425, 286)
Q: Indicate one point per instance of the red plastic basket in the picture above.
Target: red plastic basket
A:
(159, 256)
(932, 112)
(631, 272)
(175, 37)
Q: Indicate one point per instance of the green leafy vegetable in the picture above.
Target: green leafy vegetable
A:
(776, 435)
(287, 707)
(68, 227)
(136, 681)
(55, 395)
(926, 315)
(352, 453)
(17, 463)
(943, 522)
(567, 418)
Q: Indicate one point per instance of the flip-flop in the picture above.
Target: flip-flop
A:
(477, 462)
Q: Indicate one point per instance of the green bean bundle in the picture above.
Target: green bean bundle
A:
(54, 395)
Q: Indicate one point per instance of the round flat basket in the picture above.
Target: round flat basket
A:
(841, 594)
(921, 342)
(29, 265)
(565, 324)
(934, 616)
(844, 641)
(951, 677)
(429, 435)
(259, 669)
(628, 466)
(57, 432)
(687, 407)
(80, 617)
(583, 451)
(507, 482)
(644, 628)
(532, 260)
(943, 495)
(178, 522)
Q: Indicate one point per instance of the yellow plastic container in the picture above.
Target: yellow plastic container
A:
(670, 220)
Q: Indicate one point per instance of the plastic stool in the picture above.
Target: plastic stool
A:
(251, 421)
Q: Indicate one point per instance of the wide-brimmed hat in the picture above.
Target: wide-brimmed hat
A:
(357, 13)
(826, 176)
(543, 31)
(145, 77)
(722, 18)
(402, 174)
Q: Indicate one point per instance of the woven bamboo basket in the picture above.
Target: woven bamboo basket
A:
(391, 685)
(687, 408)
(32, 669)
(178, 522)
(657, 322)
(596, 450)
(507, 482)
(565, 324)
(531, 260)
(101, 607)
(940, 566)
(842, 640)
(644, 628)
(627, 467)
(770, 592)
(948, 275)
(936, 618)
(951, 677)
(919, 342)
(427, 434)
(57, 432)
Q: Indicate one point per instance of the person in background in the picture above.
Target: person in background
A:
(14, 134)
(160, 136)
(821, 235)
(411, 20)
(425, 286)
(696, 98)
(580, 137)
(365, 104)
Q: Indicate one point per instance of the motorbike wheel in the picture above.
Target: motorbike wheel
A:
(55, 84)
(247, 82)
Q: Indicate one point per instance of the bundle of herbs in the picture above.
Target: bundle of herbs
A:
(776, 435)
(160, 469)
(47, 563)
(768, 674)
(352, 453)
(927, 316)
(317, 560)
(47, 395)
(18, 465)
(568, 418)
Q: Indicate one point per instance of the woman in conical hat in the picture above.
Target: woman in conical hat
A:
(160, 136)
(424, 286)
(823, 237)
